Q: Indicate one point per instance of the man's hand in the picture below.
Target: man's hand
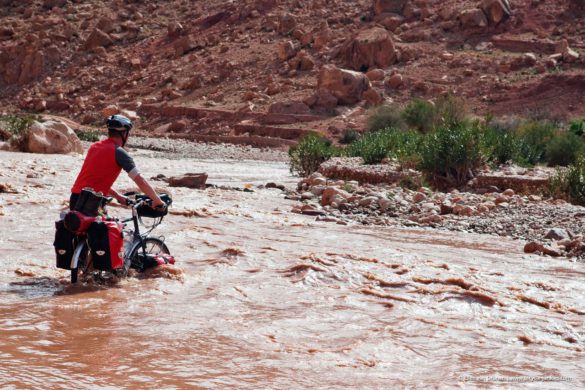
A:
(158, 204)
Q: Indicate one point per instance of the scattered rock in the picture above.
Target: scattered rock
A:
(557, 234)
(189, 180)
(276, 185)
(96, 39)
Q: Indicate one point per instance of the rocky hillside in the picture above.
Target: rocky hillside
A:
(241, 71)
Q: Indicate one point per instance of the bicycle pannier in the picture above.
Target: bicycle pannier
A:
(106, 244)
(64, 245)
(89, 202)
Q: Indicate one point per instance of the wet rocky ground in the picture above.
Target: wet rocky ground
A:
(504, 213)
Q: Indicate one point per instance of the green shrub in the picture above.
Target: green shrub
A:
(534, 138)
(450, 109)
(420, 115)
(376, 146)
(311, 151)
(563, 149)
(577, 127)
(373, 147)
(569, 183)
(88, 135)
(349, 136)
(451, 155)
(383, 117)
(16, 125)
(500, 145)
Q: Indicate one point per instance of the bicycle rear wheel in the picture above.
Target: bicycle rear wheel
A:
(152, 247)
(82, 251)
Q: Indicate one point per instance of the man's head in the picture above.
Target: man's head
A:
(119, 126)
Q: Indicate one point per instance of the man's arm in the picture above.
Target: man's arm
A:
(148, 190)
(127, 163)
(119, 197)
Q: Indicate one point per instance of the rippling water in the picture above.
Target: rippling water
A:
(270, 299)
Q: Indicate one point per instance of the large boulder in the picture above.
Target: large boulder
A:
(496, 10)
(370, 48)
(51, 137)
(389, 6)
(189, 180)
(345, 85)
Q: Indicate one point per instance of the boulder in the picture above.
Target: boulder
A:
(372, 97)
(345, 85)
(189, 180)
(51, 137)
(370, 48)
(376, 75)
(473, 18)
(395, 81)
(96, 39)
(389, 6)
(497, 11)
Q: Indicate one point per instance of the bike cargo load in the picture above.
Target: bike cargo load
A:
(64, 245)
(106, 243)
(89, 202)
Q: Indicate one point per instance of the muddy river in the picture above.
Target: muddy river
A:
(272, 299)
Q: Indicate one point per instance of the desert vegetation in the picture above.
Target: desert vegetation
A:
(449, 146)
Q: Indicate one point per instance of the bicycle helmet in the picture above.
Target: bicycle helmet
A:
(120, 124)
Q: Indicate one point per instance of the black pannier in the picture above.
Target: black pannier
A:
(90, 202)
(106, 244)
(64, 245)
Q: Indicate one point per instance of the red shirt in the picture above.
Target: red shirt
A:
(100, 168)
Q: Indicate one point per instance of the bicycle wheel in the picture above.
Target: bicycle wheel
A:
(82, 252)
(152, 246)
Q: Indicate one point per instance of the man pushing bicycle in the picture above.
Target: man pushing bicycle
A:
(104, 163)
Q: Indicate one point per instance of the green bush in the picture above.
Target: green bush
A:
(420, 115)
(450, 109)
(16, 125)
(88, 135)
(569, 183)
(534, 138)
(349, 136)
(383, 117)
(373, 147)
(577, 127)
(311, 151)
(500, 145)
(563, 149)
(451, 155)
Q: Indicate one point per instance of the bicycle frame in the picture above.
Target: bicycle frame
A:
(138, 238)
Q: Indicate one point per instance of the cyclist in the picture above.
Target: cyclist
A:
(104, 162)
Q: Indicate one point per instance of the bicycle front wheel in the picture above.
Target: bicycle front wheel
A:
(149, 247)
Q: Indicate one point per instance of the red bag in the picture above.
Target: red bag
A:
(106, 242)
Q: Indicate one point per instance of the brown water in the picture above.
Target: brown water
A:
(270, 299)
